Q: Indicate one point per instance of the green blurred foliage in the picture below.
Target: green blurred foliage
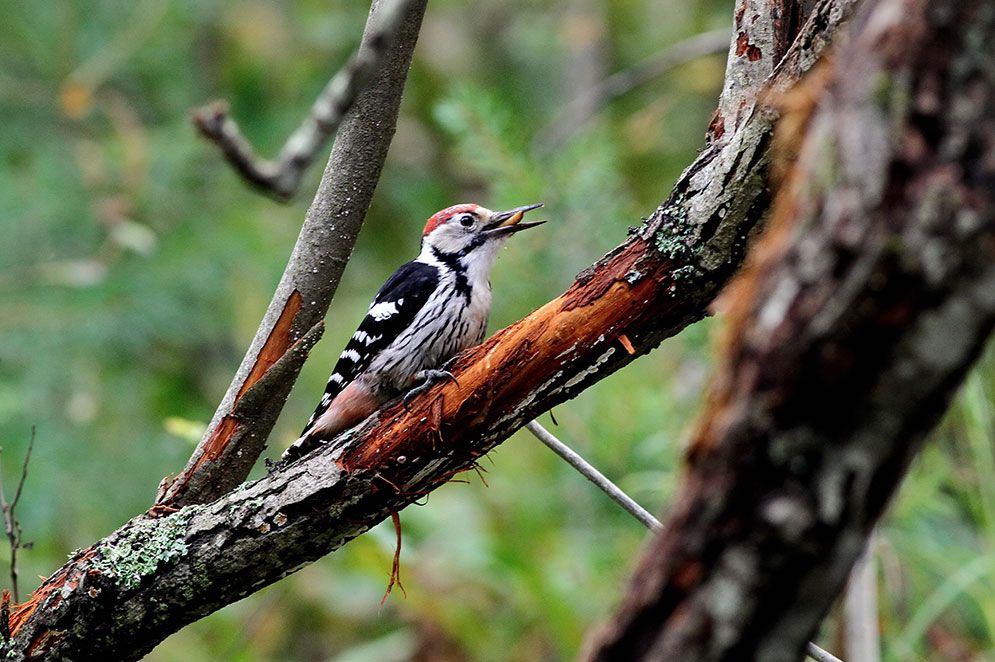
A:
(134, 268)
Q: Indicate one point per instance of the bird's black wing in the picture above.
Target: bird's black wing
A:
(393, 309)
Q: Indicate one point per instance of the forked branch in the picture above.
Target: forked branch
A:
(12, 527)
(232, 444)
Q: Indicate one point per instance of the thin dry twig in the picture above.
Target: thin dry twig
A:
(281, 178)
(584, 106)
(11, 526)
(819, 654)
(587, 470)
(860, 609)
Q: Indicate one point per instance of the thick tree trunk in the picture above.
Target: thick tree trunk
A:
(124, 594)
(871, 295)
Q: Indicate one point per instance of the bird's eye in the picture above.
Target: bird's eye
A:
(466, 220)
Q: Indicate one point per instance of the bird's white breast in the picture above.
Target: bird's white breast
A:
(447, 324)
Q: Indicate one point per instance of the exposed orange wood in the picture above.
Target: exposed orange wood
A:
(216, 443)
(494, 377)
(627, 344)
(279, 341)
(65, 577)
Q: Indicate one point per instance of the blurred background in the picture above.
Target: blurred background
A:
(135, 266)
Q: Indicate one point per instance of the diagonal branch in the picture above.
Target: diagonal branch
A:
(127, 592)
(872, 294)
(763, 33)
(281, 178)
(587, 104)
(588, 471)
(231, 446)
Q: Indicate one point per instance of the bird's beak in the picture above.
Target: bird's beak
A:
(508, 222)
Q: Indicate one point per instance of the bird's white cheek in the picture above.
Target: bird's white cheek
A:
(450, 242)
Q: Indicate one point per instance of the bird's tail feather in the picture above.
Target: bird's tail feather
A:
(304, 445)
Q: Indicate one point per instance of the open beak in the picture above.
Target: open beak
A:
(508, 222)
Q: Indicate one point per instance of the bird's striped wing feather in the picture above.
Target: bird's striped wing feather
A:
(393, 309)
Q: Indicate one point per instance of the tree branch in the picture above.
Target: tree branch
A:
(10, 524)
(627, 503)
(152, 576)
(763, 32)
(586, 104)
(231, 445)
(872, 294)
(588, 471)
(282, 178)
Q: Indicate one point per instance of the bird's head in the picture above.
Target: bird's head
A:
(466, 229)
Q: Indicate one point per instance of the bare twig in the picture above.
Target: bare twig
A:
(395, 568)
(11, 526)
(588, 470)
(860, 609)
(281, 178)
(585, 105)
(819, 654)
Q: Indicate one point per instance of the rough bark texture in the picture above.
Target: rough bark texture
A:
(871, 295)
(121, 596)
(235, 438)
(763, 32)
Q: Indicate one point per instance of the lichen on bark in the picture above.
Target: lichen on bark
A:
(140, 549)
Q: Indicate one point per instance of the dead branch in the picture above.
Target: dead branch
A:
(871, 295)
(588, 471)
(281, 178)
(627, 503)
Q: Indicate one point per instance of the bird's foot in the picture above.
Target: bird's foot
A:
(428, 379)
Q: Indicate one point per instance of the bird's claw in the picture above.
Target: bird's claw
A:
(445, 374)
(428, 379)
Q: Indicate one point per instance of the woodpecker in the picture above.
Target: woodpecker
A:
(431, 309)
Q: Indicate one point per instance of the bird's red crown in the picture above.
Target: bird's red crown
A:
(440, 217)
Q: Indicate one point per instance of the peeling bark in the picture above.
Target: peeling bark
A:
(106, 604)
(871, 295)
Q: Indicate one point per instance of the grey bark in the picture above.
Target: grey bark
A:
(872, 293)
(130, 590)
(312, 275)
(763, 32)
